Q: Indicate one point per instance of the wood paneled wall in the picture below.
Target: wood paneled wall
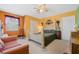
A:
(2, 18)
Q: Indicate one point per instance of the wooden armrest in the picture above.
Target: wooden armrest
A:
(21, 49)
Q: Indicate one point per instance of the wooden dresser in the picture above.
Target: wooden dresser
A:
(75, 42)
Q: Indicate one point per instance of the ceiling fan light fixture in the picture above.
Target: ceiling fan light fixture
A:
(41, 8)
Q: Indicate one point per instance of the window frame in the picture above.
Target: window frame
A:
(15, 18)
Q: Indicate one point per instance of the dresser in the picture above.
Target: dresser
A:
(75, 42)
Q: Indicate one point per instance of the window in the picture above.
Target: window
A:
(12, 23)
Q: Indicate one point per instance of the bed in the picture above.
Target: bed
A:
(49, 36)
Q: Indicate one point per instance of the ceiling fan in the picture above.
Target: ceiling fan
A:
(41, 8)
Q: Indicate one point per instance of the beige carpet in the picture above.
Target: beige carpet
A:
(56, 47)
(59, 46)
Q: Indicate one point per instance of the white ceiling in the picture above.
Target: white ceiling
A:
(28, 9)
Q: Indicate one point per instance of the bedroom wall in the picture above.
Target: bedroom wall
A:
(28, 18)
(67, 25)
(53, 18)
(68, 20)
(27, 24)
(59, 16)
(2, 18)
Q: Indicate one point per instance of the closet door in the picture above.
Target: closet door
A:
(67, 25)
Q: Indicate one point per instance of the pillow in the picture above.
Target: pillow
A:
(1, 48)
(1, 42)
(1, 45)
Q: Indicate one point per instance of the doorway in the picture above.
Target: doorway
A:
(34, 35)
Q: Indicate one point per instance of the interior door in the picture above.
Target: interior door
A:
(33, 28)
(67, 25)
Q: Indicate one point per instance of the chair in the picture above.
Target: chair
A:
(12, 46)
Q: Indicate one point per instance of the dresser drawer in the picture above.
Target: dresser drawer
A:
(75, 48)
